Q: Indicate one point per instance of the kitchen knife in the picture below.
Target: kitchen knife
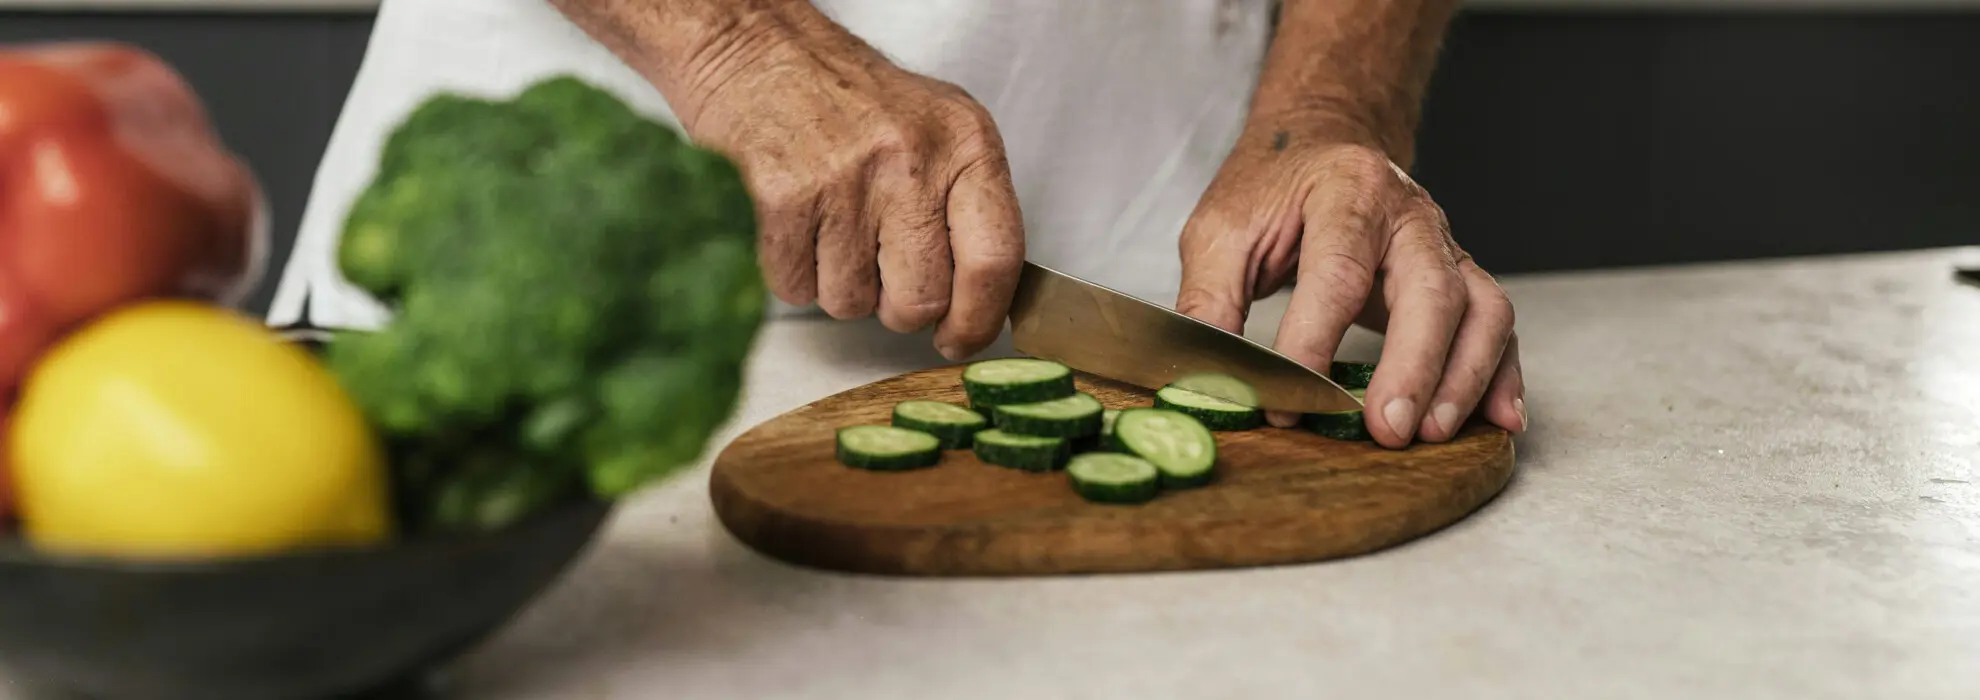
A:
(1103, 332)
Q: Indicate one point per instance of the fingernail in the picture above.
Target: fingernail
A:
(949, 351)
(1401, 414)
(1281, 419)
(1446, 415)
(1519, 407)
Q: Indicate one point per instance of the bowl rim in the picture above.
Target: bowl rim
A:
(17, 553)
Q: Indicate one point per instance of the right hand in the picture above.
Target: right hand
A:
(879, 191)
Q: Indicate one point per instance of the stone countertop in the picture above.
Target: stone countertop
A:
(1754, 480)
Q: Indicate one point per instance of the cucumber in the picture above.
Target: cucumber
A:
(1339, 425)
(1014, 380)
(1179, 446)
(1352, 375)
(1216, 413)
(887, 448)
(1113, 478)
(1070, 417)
(1221, 386)
(951, 424)
(1031, 453)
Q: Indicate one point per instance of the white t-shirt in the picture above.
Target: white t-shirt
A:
(1115, 114)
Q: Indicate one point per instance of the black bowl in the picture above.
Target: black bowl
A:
(307, 625)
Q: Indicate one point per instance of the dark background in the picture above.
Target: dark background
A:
(1555, 140)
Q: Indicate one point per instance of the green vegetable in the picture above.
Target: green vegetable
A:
(1074, 416)
(1214, 412)
(953, 424)
(887, 448)
(569, 280)
(993, 383)
(1339, 425)
(1028, 452)
(1221, 386)
(1180, 447)
(1113, 478)
(1352, 375)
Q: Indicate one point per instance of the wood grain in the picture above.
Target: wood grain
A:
(1280, 497)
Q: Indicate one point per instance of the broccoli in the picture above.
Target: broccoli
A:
(574, 291)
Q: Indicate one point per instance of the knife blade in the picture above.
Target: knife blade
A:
(1103, 332)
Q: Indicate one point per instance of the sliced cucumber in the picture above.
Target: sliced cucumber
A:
(1339, 425)
(1352, 375)
(1028, 452)
(951, 424)
(1070, 417)
(1222, 386)
(1014, 380)
(887, 448)
(1216, 413)
(1179, 446)
(1103, 477)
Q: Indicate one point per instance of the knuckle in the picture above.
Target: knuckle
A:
(1346, 277)
(1361, 164)
(895, 138)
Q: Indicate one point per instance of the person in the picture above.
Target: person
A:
(907, 157)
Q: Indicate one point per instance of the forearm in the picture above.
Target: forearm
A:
(1353, 70)
(685, 48)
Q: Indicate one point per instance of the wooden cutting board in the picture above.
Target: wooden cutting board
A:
(1281, 497)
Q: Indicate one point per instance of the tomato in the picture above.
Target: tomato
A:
(176, 429)
(113, 189)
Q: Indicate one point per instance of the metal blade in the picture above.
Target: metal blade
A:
(1097, 330)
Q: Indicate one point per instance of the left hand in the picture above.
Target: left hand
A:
(1351, 222)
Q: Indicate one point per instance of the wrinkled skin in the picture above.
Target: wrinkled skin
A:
(113, 188)
(880, 192)
(1368, 246)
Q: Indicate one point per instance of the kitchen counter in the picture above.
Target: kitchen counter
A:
(1753, 480)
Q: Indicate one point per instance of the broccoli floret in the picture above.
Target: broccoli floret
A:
(574, 287)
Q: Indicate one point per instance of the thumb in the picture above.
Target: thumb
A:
(1216, 276)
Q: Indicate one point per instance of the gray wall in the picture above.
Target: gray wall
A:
(1555, 139)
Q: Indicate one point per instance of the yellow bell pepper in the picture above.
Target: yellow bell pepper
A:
(178, 429)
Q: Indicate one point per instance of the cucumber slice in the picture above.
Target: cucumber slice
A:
(1071, 417)
(1180, 447)
(951, 424)
(1113, 478)
(1014, 380)
(1031, 453)
(887, 448)
(1215, 413)
(1339, 425)
(1352, 375)
(1221, 386)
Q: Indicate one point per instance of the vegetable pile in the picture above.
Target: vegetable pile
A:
(1026, 413)
(574, 290)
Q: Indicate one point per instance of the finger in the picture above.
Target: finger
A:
(848, 248)
(786, 243)
(1225, 266)
(1337, 262)
(1426, 299)
(986, 236)
(1505, 401)
(1474, 355)
(915, 277)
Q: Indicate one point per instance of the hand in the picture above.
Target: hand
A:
(1351, 223)
(878, 190)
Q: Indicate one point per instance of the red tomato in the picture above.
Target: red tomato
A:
(113, 189)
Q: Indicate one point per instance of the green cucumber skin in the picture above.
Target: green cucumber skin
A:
(1352, 375)
(1169, 479)
(1216, 420)
(1031, 458)
(986, 397)
(1344, 425)
(1048, 427)
(886, 463)
(1123, 494)
(952, 436)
